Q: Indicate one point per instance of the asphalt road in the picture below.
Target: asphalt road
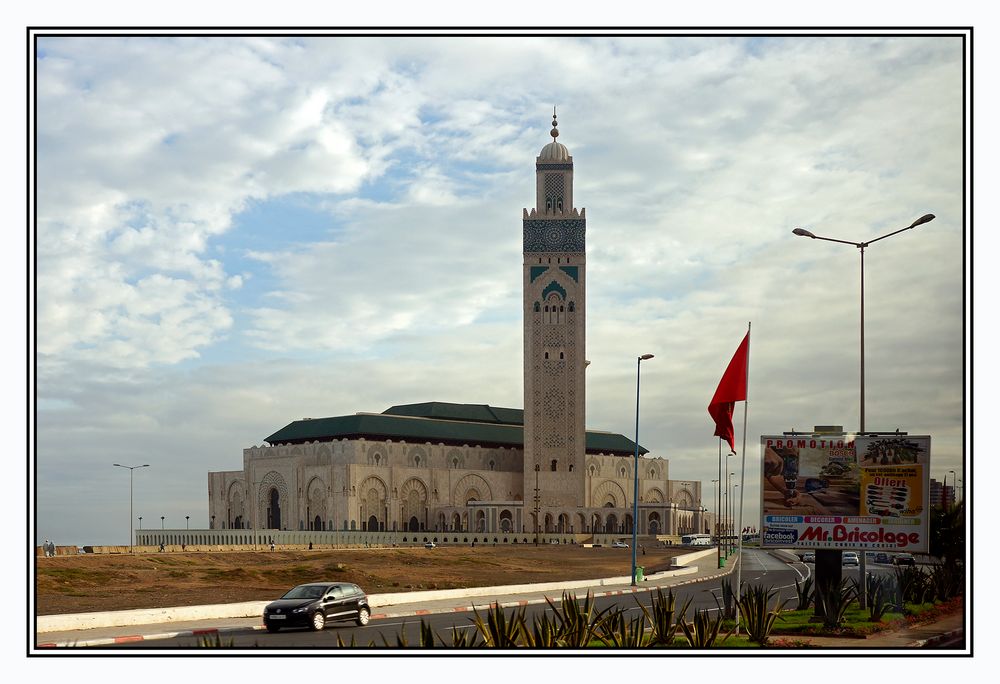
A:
(759, 568)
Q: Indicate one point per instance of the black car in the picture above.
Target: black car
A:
(903, 559)
(316, 604)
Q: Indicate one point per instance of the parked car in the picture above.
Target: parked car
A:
(808, 557)
(314, 605)
(554, 541)
(618, 544)
(904, 559)
(882, 557)
(850, 558)
(430, 545)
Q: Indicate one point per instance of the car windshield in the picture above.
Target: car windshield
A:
(305, 591)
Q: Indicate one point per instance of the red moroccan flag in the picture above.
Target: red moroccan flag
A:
(732, 388)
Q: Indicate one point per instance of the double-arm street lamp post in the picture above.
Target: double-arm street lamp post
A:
(802, 232)
(635, 469)
(130, 469)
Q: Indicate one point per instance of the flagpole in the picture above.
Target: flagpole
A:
(718, 510)
(743, 473)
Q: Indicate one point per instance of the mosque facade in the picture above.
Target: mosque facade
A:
(475, 468)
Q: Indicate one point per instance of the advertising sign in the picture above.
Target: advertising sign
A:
(821, 491)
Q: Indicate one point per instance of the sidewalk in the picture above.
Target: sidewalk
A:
(931, 635)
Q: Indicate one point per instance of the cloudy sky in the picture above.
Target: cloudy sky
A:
(238, 232)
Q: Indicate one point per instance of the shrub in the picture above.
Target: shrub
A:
(757, 617)
(663, 629)
(805, 593)
(835, 600)
(703, 631)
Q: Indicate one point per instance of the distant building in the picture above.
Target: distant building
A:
(471, 467)
(941, 495)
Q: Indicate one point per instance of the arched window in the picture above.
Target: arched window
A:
(492, 464)
(562, 355)
(537, 307)
(572, 307)
(622, 473)
(554, 462)
(546, 355)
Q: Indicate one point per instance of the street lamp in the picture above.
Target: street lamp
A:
(213, 522)
(187, 519)
(861, 248)
(161, 521)
(802, 232)
(954, 488)
(635, 470)
(140, 522)
(130, 469)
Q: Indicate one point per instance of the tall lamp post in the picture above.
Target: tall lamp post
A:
(954, 487)
(162, 518)
(187, 522)
(130, 469)
(635, 470)
(537, 468)
(140, 522)
(802, 232)
(715, 489)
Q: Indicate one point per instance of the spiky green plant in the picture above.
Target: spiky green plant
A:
(576, 620)
(353, 644)
(621, 632)
(835, 600)
(913, 584)
(756, 615)
(805, 593)
(214, 641)
(499, 630)
(543, 633)
(703, 631)
(728, 604)
(880, 597)
(660, 615)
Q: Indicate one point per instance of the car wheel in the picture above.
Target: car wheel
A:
(363, 616)
(318, 621)
(272, 628)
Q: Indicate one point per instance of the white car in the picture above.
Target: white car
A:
(619, 545)
(808, 557)
(430, 545)
(850, 558)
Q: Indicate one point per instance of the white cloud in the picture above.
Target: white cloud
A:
(695, 157)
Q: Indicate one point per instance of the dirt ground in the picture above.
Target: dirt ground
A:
(100, 582)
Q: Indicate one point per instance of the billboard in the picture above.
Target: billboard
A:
(858, 492)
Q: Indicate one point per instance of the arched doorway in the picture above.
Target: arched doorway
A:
(506, 523)
(237, 523)
(654, 523)
(273, 510)
(413, 525)
(611, 525)
(372, 524)
(317, 523)
(480, 521)
(456, 522)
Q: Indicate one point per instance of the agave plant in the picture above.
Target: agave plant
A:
(805, 593)
(757, 617)
(880, 597)
(728, 605)
(835, 600)
(544, 633)
(703, 631)
(576, 620)
(621, 632)
(660, 615)
(498, 630)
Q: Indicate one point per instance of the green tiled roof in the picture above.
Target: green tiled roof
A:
(472, 424)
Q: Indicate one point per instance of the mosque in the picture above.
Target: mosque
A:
(460, 472)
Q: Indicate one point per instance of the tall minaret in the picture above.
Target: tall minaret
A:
(555, 278)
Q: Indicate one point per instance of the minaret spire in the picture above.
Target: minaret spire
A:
(555, 131)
